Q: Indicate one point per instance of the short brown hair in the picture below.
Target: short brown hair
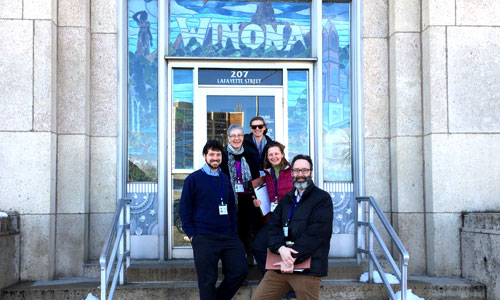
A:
(258, 118)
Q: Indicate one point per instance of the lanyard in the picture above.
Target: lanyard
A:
(292, 210)
(237, 165)
(275, 186)
(221, 195)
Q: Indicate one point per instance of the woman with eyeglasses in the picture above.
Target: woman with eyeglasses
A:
(278, 183)
(256, 142)
(241, 169)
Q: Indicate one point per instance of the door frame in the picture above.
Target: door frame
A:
(199, 111)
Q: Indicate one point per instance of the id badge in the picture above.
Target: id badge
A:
(273, 206)
(223, 209)
(285, 231)
(239, 188)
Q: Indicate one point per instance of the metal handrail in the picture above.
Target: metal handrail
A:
(401, 272)
(119, 243)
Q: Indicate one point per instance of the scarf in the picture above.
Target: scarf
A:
(260, 147)
(232, 156)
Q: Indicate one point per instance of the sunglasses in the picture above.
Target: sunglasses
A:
(257, 126)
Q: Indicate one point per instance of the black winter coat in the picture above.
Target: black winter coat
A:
(310, 228)
(252, 150)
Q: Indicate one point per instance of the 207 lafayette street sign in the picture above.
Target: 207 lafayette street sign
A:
(240, 77)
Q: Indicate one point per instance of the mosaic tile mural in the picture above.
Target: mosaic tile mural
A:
(337, 147)
(143, 115)
(201, 28)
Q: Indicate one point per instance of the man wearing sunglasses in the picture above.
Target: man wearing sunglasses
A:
(255, 142)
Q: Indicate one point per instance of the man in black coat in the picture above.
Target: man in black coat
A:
(299, 228)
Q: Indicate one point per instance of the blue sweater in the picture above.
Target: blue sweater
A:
(199, 205)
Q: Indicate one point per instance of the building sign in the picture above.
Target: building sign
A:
(239, 77)
(215, 28)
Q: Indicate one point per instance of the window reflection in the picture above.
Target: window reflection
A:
(298, 113)
(226, 110)
(180, 239)
(183, 118)
(337, 164)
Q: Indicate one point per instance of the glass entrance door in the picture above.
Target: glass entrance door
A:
(224, 110)
(208, 117)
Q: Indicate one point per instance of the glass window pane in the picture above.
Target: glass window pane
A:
(298, 113)
(337, 144)
(337, 164)
(182, 94)
(143, 117)
(180, 239)
(142, 92)
(226, 110)
(216, 28)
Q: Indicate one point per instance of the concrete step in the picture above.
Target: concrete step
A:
(184, 270)
(429, 288)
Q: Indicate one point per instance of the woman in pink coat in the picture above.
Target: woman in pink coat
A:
(278, 183)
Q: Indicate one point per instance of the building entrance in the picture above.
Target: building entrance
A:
(202, 99)
(215, 110)
(220, 98)
(181, 51)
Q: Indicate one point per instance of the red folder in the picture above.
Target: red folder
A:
(272, 258)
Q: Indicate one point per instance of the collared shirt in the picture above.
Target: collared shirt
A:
(209, 171)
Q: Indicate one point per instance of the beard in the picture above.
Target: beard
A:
(302, 185)
(213, 164)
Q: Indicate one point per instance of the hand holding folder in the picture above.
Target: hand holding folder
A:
(260, 191)
(272, 261)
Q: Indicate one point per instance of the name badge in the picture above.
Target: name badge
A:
(239, 188)
(223, 209)
(273, 206)
(285, 231)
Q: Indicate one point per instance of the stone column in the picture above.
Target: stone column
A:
(73, 103)
(461, 46)
(28, 132)
(103, 109)
(376, 105)
(406, 129)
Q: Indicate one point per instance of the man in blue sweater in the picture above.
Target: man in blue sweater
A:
(208, 213)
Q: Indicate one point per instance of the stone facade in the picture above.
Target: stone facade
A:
(10, 245)
(480, 241)
(431, 111)
(59, 85)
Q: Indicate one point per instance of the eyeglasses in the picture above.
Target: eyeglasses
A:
(303, 171)
(236, 136)
(257, 126)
